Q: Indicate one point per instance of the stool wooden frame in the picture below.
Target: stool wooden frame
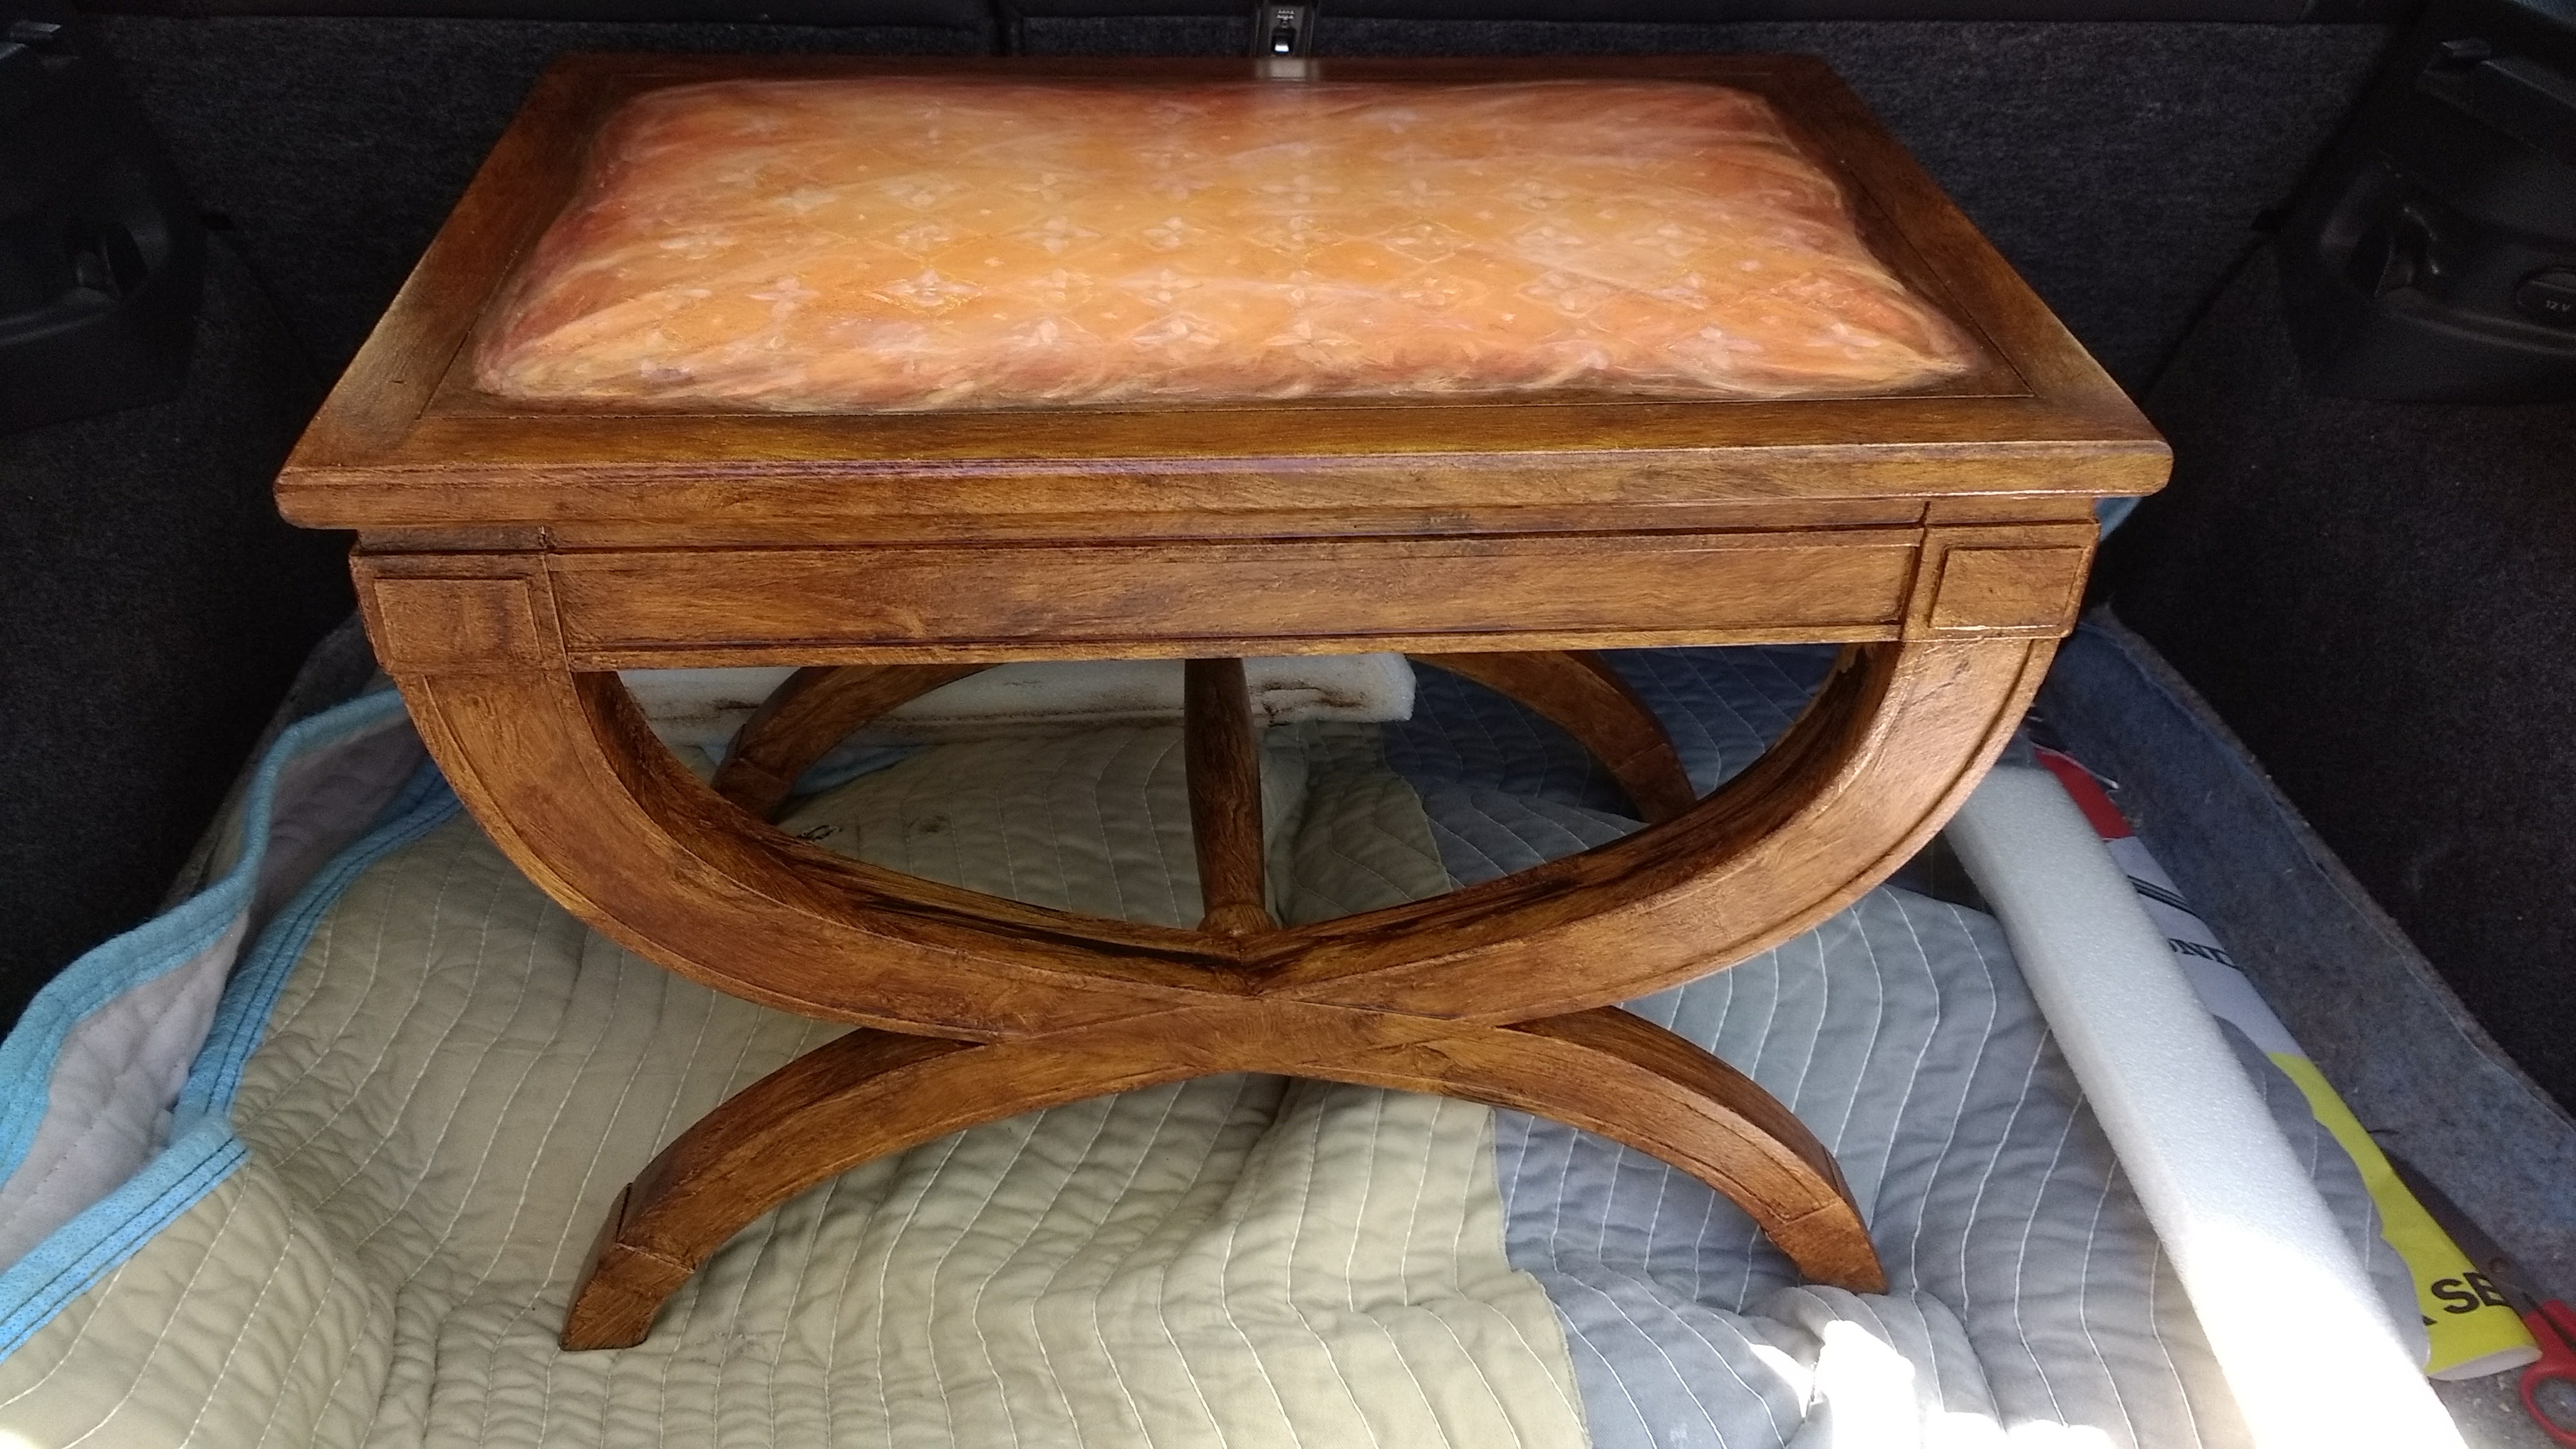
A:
(512, 559)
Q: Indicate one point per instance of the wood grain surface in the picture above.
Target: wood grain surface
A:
(813, 710)
(1585, 697)
(871, 1093)
(1223, 760)
(565, 773)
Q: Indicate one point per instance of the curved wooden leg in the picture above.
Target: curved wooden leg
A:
(815, 709)
(563, 772)
(573, 786)
(1583, 696)
(1621, 1076)
(1882, 756)
(849, 1102)
(871, 1093)
(811, 711)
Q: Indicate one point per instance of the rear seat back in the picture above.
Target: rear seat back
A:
(973, 17)
(2119, 159)
(1701, 12)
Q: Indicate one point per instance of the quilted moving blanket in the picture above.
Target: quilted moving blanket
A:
(422, 1085)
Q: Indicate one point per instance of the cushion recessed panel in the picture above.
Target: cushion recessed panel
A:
(899, 243)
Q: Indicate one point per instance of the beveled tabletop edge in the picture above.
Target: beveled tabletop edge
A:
(382, 431)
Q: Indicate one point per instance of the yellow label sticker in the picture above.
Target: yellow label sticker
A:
(2474, 1333)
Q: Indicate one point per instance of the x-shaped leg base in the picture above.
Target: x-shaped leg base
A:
(972, 1008)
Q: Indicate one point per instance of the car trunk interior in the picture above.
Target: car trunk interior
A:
(2366, 606)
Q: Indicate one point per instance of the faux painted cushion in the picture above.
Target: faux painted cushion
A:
(899, 243)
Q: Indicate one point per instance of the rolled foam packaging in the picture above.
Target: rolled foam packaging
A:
(2305, 1343)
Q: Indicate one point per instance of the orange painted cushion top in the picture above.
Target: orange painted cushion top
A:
(895, 243)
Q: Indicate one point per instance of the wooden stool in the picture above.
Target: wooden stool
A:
(513, 556)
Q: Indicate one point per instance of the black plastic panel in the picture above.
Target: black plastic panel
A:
(1704, 12)
(2434, 258)
(100, 251)
(972, 16)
